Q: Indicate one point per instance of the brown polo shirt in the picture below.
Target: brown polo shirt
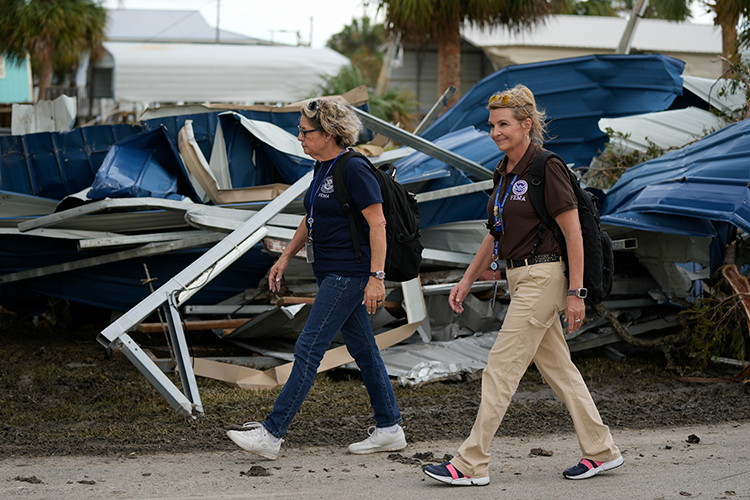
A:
(520, 220)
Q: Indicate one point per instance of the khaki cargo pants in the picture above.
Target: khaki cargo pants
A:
(532, 331)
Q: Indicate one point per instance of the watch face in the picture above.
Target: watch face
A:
(582, 293)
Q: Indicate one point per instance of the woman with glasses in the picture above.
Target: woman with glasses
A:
(539, 290)
(348, 289)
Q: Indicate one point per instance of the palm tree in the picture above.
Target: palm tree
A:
(727, 16)
(395, 106)
(441, 20)
(360, 41)
(53, 32)
(671, 10)
(604, 8)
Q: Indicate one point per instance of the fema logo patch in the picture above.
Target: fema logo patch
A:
(327, 186)
(520, 188)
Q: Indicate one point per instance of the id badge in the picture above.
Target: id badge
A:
(309, 252)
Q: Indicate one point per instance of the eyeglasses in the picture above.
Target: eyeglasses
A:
(313, 105)
(504, 98)
(305, 132)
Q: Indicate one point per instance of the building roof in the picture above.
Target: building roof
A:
(131, 25)
(593, 32)
(206, 72)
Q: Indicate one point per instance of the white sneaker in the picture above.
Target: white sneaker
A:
(379, 440)
(256, 440)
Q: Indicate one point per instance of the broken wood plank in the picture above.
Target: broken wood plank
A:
(194, 325)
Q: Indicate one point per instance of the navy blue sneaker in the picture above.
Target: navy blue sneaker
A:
(587, 468)
(448, 474)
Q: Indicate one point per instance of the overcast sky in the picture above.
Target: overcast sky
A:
(276, 20)
(280, 20)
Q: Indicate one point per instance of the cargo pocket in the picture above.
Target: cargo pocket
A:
(543, 319)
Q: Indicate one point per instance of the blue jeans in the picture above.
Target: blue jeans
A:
(337, 307)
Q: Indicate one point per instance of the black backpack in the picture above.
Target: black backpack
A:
(403, 248)
(598, 258)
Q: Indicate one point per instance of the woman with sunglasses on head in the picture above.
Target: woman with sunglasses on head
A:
(348, 289)
(539, 289)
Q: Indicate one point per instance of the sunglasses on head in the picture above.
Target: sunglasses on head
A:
(505, 97)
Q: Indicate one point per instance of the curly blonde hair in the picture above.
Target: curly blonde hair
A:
(334, 118)
(521, 100)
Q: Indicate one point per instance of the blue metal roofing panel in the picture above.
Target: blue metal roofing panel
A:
(663, 223)
(575, 93)
(115, 285)
(204, 125)
(255, 163)
(143, 165)
(469, 143)
(707, 179)
(56, 164)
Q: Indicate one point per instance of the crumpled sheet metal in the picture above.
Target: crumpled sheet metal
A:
(433, 370)
(414, 364)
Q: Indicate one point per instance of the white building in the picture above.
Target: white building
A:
(174, 57)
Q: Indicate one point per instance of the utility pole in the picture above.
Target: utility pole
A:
(218, 11)
(639, 9)
(385, 70)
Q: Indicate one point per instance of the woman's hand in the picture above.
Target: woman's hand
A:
(294, 246)
(575, 312)
(479, 264)
(575, 308)
(457, 296)
(374, 294)
(274, 275)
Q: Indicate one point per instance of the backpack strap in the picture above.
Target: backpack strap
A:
(345, 200)
(536, 195)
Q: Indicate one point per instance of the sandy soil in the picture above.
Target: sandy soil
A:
(60, 394)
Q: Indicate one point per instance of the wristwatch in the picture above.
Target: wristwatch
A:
(581, 293)
(378, 274)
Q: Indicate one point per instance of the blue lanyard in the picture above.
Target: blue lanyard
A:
(498, 211)
(314, 193)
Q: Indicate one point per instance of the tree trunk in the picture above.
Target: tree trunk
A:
(449, 60)
(45, 75)
(728, 24)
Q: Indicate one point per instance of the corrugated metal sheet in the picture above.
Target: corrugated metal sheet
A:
(705, 182)
(667, 129)
(56, 164)
(576, 93)
(181, 72)
(709, 89)
(592, 32)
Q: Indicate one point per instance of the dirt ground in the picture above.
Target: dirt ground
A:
(60, 394)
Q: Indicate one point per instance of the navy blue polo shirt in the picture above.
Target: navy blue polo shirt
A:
(333, 248)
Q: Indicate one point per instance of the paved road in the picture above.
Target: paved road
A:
(658, 465)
